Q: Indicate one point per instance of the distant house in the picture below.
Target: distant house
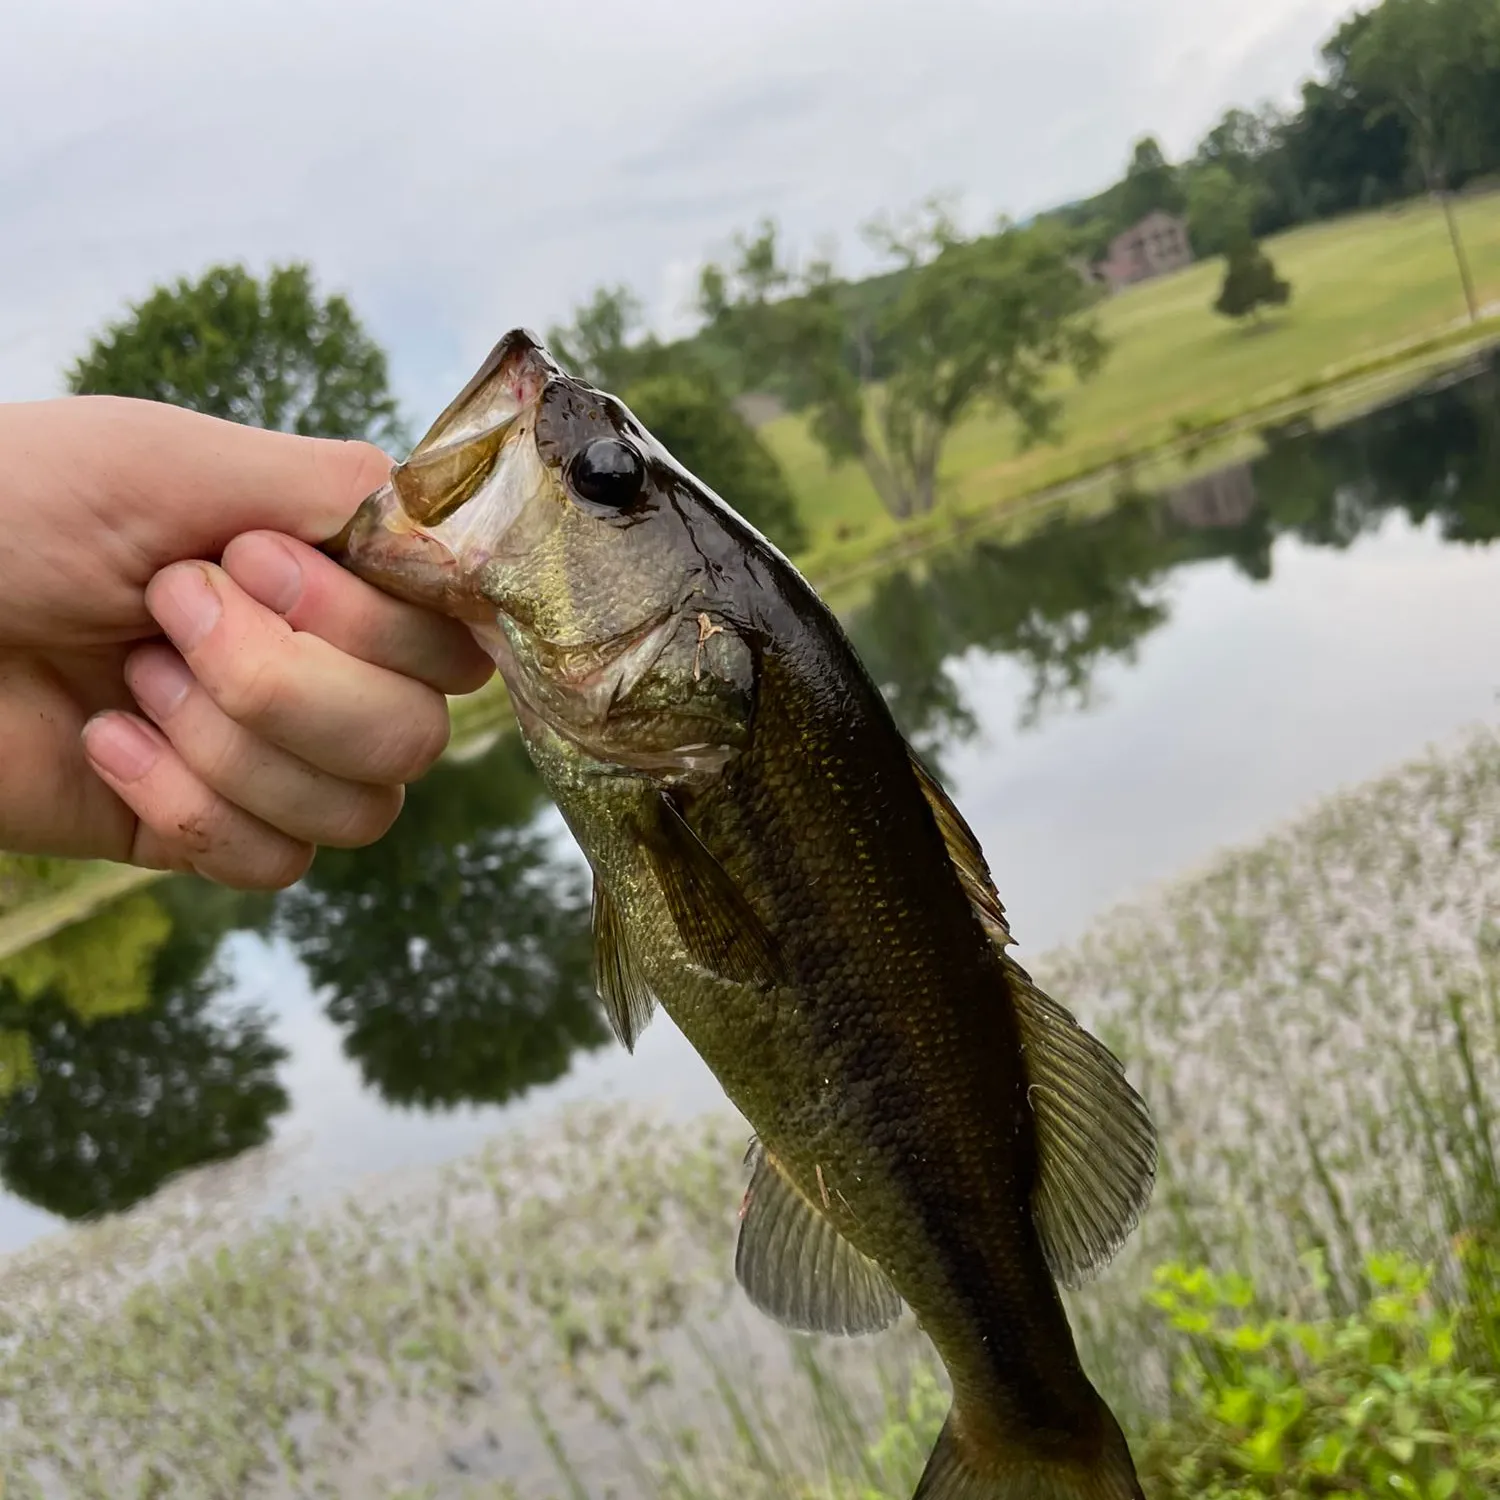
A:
(1224, 498)
(1155, 246)
(758, 407)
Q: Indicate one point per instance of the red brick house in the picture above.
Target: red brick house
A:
(1155, 246)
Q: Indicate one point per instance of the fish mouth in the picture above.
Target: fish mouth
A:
(426, 533)
(510, 381)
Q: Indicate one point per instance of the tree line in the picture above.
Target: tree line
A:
(1408, 103)
(885, 368)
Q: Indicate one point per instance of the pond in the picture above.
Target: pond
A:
(1110, 700)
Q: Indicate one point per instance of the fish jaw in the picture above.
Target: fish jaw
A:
(384, 546)
(449, 508)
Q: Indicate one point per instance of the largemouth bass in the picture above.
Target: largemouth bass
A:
(774, 866)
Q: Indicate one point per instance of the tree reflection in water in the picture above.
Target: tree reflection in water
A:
(456, 951)
(122, 1082)
(1072, 596)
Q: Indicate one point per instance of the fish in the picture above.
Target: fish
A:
(777, 868)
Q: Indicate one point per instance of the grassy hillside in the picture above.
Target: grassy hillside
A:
(1359, 285)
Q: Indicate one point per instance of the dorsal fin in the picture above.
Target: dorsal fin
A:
(963, 848)
(797, 1268)
(1095, 1143)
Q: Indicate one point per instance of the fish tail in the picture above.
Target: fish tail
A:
(954, 1472)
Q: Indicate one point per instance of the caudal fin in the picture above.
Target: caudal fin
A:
(951, 1474)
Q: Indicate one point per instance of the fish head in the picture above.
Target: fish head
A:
(585, 559)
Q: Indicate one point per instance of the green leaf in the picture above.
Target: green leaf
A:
(1328, 1456)
(1249, 1339)
(1440, 1345)
(1403, 1449)
(1444, 1483)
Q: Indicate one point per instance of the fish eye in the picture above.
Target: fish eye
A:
(607, 472)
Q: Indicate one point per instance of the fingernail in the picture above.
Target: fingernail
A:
(267, 570)
(160, 681)
(185, 603)
(120, 746)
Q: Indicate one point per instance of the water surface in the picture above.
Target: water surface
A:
(1110, 701)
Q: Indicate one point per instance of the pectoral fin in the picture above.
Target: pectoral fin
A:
(797, 1268)
(628, 1001)
(717, 925)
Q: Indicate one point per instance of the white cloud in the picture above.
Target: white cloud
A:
(461, 166)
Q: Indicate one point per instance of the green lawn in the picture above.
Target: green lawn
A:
(1359, 285)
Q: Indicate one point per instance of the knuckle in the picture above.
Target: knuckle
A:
(435, 739)
(421, 740)
(199, 831)
(280, 866)
(216, 752)
(252, 691)
(369, 817)
(350, 468)
(213, 840)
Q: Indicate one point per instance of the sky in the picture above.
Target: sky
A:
(457, 167)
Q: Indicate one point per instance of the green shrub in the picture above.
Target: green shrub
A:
(1381, 1402)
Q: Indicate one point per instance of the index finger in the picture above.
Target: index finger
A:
(183, 483)
(313, 593)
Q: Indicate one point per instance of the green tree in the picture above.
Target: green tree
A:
(1433, 61)
(1151, 184)
(1343, 149)
(1240, 140)
(969, 324)
(606, 343)
(1061, 602)
(1254, 148)
(683, 405)
(121, 1091)
(706, 435)
(454, 954)
(1221, 209)
(1250, 283)
(268, 354)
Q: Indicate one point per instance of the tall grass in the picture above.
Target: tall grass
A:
(1315, 1020)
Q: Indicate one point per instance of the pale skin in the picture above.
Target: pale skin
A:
(185, 682)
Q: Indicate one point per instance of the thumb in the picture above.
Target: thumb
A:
(189, 483)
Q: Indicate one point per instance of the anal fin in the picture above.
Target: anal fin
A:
(797, 1268)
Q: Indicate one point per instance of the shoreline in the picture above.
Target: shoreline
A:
(479, 719)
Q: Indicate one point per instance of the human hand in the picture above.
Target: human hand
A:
(289, 702)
